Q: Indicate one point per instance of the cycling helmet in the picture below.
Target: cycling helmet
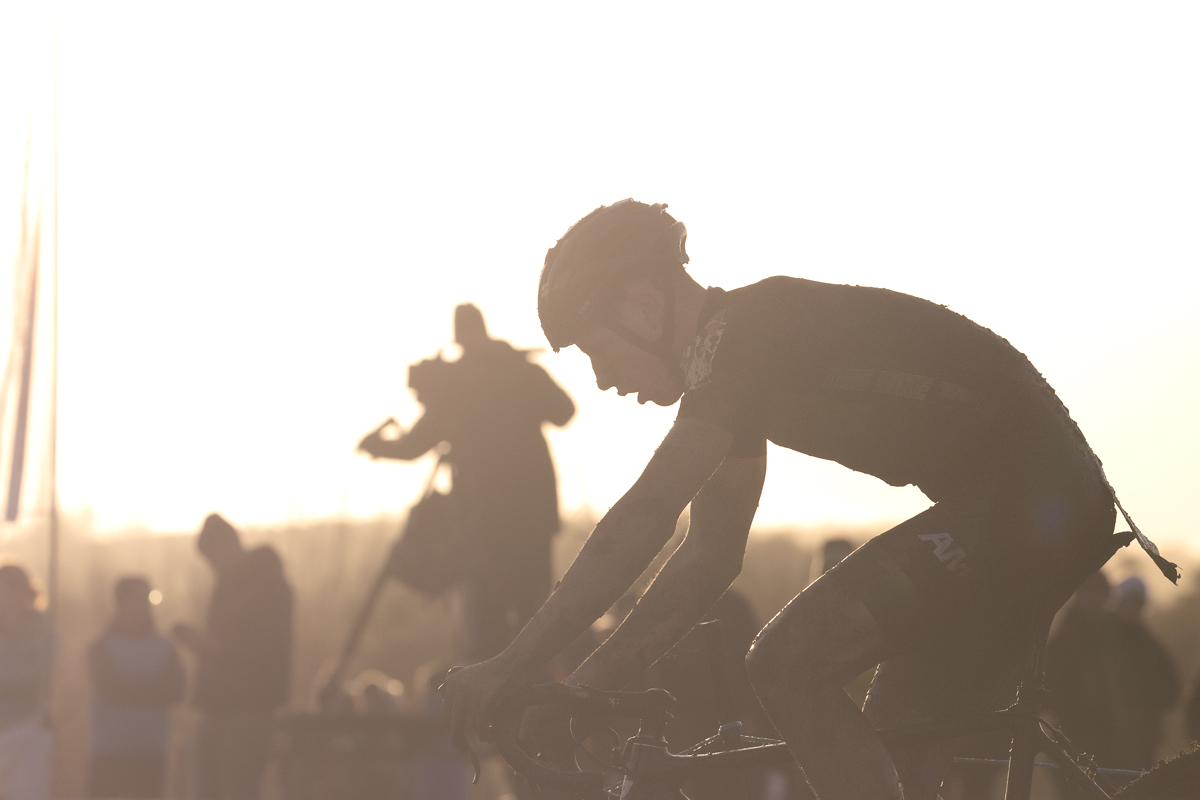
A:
(597, 255)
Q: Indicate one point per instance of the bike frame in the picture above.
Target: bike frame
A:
(653, 773)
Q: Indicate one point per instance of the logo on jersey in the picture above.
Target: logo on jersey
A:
(952, 557)
(698, 358)
(897, 384)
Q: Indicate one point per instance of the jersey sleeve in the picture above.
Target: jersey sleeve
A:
(720, 386)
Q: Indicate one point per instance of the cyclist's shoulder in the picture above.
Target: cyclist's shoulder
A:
(796, 326)
(773, 291)
(784, 298)
(766, 308)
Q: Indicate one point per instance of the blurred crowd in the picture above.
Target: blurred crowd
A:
(1111, 681)
(242, 654)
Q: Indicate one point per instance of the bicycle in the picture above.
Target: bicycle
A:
(650, 772)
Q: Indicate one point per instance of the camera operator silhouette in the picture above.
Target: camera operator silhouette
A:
(489, 407)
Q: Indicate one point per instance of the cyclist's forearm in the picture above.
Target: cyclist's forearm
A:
(690, 583)
(615, 555)
(682, 593)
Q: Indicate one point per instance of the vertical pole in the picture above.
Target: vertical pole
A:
(52, 569)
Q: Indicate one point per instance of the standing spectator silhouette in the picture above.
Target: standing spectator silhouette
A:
(26, 658)
(1191, 720)
(1147, 682)
(136, 677)
(489, 406)
(244, 662)
(1080, 674)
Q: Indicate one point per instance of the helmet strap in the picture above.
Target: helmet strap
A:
(662, 348)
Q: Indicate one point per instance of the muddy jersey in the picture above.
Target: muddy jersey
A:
(881, 382)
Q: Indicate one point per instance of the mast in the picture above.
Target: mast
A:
(52, 567)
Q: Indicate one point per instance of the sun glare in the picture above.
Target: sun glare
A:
(263, 222)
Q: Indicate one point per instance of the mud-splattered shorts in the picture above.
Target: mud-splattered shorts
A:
(956, 588)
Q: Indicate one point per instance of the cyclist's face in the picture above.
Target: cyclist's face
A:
(629, 369)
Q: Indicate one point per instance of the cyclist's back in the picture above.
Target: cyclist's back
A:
(878, 381)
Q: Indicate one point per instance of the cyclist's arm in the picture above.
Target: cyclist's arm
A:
(624, 542)
(690, 583)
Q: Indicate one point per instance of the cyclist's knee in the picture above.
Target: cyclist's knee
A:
(767, 671)
(824, 637)
(786, 653)
(758, 661)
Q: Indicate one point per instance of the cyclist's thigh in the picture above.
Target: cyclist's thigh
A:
(884, 598)
(959, 567)
(907, 589)
(967, 569)
(957, 607)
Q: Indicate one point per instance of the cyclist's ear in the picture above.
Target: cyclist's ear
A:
(639, 307)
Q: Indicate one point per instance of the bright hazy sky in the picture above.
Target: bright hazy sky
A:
(268, 211)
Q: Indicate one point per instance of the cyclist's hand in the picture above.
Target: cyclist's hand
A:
(546, 733)
(471, 694)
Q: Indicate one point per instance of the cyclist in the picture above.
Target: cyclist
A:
(883, 383)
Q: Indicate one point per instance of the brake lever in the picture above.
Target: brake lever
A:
(459, 739)
(460, 743)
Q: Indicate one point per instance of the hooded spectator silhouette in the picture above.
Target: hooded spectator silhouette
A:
(1146, 680)
(244, 662)
(489, 407)
(1081, 677)
(833, 552)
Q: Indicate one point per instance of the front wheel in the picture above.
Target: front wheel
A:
(1177, 779)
